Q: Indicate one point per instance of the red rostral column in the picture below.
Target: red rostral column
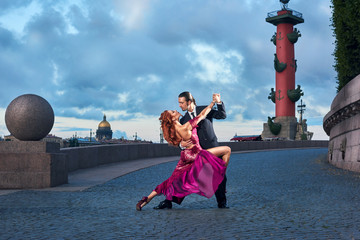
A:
(284, 62)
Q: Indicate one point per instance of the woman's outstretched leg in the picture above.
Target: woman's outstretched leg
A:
(224, 152)
(145, 200)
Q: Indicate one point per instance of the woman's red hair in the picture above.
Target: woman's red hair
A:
(168, 127)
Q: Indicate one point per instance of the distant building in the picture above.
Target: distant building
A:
(53, 138)
(104, 131)
(10, 138)
(48, 138)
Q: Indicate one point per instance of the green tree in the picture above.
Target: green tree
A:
(346, 27)
(73, 142)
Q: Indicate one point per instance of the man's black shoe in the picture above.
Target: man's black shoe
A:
(164, 204)
(222, 205)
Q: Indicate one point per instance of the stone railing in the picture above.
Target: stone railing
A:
(342, 124)
(92, 156)
(289, 11)
(87, 157)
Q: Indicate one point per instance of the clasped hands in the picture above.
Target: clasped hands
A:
(216, 98)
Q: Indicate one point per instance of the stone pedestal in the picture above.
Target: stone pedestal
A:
(288, 129)
(32, 164)
(342, 124)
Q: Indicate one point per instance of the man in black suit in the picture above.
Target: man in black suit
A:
(207, 137)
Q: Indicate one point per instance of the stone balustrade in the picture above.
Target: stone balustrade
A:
(92, 156)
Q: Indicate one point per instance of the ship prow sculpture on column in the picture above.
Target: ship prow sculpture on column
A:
(284, 125)
(29, 162)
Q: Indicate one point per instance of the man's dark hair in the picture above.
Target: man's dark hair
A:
(187, 96)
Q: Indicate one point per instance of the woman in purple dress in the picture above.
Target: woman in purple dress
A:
(198, 171)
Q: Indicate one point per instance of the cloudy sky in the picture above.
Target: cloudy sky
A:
(129, 59)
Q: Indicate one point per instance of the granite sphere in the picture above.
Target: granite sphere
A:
(29, 117)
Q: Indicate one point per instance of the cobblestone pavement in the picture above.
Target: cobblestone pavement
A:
(289, 194)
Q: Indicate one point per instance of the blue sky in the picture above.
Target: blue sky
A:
(129, 59)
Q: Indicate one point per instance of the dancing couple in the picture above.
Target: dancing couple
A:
(198, 171)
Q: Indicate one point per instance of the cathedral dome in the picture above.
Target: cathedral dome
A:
(104, 131)
(104, 123)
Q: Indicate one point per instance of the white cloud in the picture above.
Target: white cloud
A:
(63, 7)
(66, 127)
(212, 65)
(116, 114)
(3, 128)
(146, 127)
(251, 93)
(312, 104)
(60, 93)
(235, 109)
(123, 97)
(55, 78)
(225, 130)
(256, 45)
(70, 28)
(319, 133)
(82, 111)
(150, 78)
(132, 12)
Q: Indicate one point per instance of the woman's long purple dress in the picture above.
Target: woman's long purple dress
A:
(198, 171)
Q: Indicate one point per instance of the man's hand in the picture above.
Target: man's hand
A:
(185, 144)
(216, 97)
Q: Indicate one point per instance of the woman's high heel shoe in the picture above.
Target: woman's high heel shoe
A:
(138, 205)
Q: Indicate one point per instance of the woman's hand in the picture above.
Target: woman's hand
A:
(185, 144)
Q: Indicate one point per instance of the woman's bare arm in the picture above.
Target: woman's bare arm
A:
(205, 112)
(185, 130)
(200, 117)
